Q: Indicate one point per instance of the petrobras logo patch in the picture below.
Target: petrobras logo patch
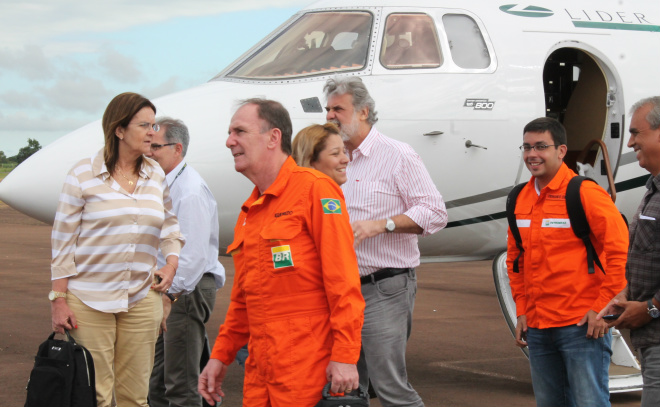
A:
(282, 256)
(556, 223)
(522, 10)
(479, 104)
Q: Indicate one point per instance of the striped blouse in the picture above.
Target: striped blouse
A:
(105, 240)
(386, 178)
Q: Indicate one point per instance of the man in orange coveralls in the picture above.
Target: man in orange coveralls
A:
(557, 300)
(296, 293)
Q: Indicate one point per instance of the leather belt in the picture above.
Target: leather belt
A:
(382, 274)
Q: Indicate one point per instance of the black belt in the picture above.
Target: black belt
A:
(382, 274)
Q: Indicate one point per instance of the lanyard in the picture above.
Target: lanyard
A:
(177, 175)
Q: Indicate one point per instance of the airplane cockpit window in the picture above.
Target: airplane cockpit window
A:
(411, 41)
(317, 43)
(468, 48)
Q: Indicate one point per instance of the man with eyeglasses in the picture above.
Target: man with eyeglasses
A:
(638, 303)
(188, 304)
(557, 299)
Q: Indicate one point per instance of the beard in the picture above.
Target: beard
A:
(349, 130)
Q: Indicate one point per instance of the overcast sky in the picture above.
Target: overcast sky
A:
(62, 61)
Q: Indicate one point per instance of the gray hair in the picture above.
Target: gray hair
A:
(353, 86)
(653, 117)
(175, 132)
(275, 116)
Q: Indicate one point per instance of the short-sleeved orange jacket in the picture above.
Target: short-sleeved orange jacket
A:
(553, 287)
(294, 258)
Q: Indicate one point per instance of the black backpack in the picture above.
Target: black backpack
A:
(62, 376)
(576, 215)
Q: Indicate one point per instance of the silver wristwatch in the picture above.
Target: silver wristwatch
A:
(389, 225)
(653, 311)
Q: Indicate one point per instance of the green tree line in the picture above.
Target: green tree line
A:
(32, 147)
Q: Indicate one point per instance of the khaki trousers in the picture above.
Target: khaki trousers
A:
(122, 345)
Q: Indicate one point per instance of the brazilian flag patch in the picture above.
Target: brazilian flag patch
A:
(331, 205)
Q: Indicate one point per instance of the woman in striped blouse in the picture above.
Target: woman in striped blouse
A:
(113, 215)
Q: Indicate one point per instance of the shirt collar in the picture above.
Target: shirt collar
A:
(369, 142)
(558, 179)
(171, 176)
(99, 167)
(653, 183)
(278, 185)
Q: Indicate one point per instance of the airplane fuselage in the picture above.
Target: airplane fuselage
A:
(457, 81)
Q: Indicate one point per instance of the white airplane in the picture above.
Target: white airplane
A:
(456, 79)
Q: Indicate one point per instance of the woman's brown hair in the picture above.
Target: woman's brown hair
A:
(119, 113)
(310, 141)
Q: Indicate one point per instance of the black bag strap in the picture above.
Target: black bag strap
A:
(513, 225)
(579, 222)
(68, 336)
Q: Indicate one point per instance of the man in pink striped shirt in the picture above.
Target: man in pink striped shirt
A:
(391, 199)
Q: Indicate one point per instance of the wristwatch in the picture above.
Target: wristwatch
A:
(653, 311)
(53, 295)
(171, 296)
(389, 225)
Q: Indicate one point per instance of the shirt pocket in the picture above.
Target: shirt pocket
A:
(373, 193)
(237, 253)
(555, 223)
(645, 233)
(280, 247)
(524, 219)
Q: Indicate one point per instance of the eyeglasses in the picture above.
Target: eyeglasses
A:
(537, 147)
(156, 147)
(146, 126)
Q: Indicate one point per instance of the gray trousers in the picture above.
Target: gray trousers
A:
(178, 351)
(387, 326)
(650, 357)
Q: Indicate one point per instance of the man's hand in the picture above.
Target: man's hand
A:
(612, 307)
(596, 328)
(635, 315)
(167, 308)
(210, 381)
(342, 376)
(521, 331)
(364, 229)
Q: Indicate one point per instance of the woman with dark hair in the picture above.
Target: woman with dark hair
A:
(113, 215)
(321, 147)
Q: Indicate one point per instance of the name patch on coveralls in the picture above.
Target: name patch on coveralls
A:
(331, 205)
(556, 223)
(282, 257)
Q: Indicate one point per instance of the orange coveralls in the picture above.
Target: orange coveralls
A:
(296, 292)
(553, 288)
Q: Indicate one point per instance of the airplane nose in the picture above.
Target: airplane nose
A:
(34, 186)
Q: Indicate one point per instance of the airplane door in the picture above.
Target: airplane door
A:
(582, 91)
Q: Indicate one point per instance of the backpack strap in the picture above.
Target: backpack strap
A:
(513, 225)
(579, 222)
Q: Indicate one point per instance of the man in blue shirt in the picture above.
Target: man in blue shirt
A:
(189, 302)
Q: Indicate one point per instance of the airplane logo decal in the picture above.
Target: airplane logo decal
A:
(479, 104)
(529, 11)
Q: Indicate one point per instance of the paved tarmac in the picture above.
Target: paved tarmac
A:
(460, 353)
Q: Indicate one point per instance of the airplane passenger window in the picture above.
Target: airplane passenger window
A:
(411, 41)
(316, 43)
(468, 48)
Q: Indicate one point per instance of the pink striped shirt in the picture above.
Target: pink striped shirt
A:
(386, 178)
